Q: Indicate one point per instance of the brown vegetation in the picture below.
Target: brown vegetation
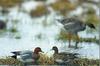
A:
(9, 3)
(39, 11)
(63, 6)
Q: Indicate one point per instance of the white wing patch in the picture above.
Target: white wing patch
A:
(70, 23)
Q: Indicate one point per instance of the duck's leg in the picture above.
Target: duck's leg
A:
(69, 38)
(77, 41)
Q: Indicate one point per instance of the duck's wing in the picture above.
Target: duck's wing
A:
(26, 54)
(75, 26)
(62, 60)
(65, 21)
(69, 55)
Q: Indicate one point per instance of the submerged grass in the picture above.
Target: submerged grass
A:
(87, 62)
(44, 61)
(63, 36)
(9, 61)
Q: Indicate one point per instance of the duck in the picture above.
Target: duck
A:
(63, 57)
(72, 27)
(28, 57)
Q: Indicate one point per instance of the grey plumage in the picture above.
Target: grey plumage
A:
(73, 25)
(28, 57)
(64, 58)
(64, 55)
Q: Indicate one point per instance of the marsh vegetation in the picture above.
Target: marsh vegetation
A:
(33, 23)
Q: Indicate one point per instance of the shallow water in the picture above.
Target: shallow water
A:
(33, 34)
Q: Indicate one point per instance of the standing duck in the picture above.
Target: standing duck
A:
(28, 57)
(63, 57)
(73, 26)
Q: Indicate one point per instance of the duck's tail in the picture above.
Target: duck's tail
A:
(14, 56)
(91, 25)
(16, 53)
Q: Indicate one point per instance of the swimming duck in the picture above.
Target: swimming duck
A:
(73, 26)
(63, 57)
(28, 57)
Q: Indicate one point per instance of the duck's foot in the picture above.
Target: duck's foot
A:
(76, 45)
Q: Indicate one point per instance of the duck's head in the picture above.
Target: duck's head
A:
(37, 50)
(55, 49)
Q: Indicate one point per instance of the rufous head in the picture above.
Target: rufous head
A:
(37, 50)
